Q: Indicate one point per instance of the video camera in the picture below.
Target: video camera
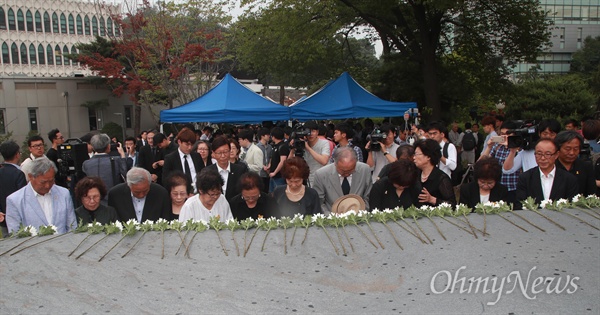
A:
(375, 137)
(299, 135)
(525, 137)
(71, 155)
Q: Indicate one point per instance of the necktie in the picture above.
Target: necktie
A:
(187, 169)
(345, 186)
(153, 152)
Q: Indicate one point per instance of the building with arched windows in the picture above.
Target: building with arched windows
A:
(40, 87)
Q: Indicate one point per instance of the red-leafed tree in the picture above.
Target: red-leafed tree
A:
(167, 54)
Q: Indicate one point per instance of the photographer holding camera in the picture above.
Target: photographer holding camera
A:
(112, 170)
(316, 151)
(547, 129)
(382, 149)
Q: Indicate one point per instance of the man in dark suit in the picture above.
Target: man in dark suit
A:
(11, 176)
(546, 181)
(140, 198)
(143, 140)
(231, 173)
(148, 157)
(183, 159)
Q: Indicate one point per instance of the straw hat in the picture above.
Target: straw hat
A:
(347, 203)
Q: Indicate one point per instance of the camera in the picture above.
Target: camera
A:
(585, 153)
(71, 155)
(525, 137)
(299, 135)
(375, 137)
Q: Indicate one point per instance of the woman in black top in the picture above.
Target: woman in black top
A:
(89, 191)
(251, 202)
(486, 187)
(295, 197)
(398, 189)
(437, 186)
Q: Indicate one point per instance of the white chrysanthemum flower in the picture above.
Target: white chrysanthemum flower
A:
(544, 204)
(562, 201)
(31, 230)
(53, 228)
(131, 221)
(149, 222)
(388, 210)
(375, 211)
(444, 204)
(577, 197)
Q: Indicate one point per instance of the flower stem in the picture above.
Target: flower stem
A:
(264, 240)
(182, 241)
(305, 234)
(569, 214)
(237, 248)
(250, 244)
(293, 235)
(130, 249)
(31, 237)
(330, 240)
(414, 232)
(589, 213)
(48, 239)
(98, 241)
(484, 222)
(393, 235)
(365, 234)
(99, 260)
(437, 228)
(458, 226)
(187, 249)
(419, 226)
(372, 231)
(162, 234)
(79, 244)
(341, 242)
(511, 222)
(470, 225)
(221, 241)
(524, 219)
(348, 238)
(547, 218)
(285, 241)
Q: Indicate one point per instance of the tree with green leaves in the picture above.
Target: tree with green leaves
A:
(473, 39)
(289, 44)
(551, 96)
(167, 54)
(586, 62)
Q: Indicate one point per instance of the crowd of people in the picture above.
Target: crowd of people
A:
(253, 171)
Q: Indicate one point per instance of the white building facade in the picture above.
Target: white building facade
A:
(40, 87)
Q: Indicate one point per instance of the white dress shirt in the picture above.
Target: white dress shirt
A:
(450, 160)
(45, 202)
(138, 205)
(547, 182)
(190, 163)
(225, 174)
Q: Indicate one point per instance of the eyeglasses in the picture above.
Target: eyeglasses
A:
(250, 198)
(178, 194)
(37, 146)
(202, 149)
(213, 195)
(488, 183)
(92, 198)
(547, 155)
(223, 153)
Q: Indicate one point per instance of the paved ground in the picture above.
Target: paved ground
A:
(311, 278)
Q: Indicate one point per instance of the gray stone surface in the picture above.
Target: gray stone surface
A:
(311, 278)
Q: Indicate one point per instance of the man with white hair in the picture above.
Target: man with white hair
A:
(112, 170)
(140, 198)
(41, 202)
(345, 176)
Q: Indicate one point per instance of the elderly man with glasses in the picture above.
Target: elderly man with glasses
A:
(546, 181)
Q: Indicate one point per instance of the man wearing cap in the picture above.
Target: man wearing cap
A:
(345, 176)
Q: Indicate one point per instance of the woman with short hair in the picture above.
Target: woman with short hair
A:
(486, 187)
(295, 197)
(210, 201)
(90, 191)
(437, 186)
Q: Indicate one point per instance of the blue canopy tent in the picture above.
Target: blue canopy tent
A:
(228, 102)
(345, 98)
